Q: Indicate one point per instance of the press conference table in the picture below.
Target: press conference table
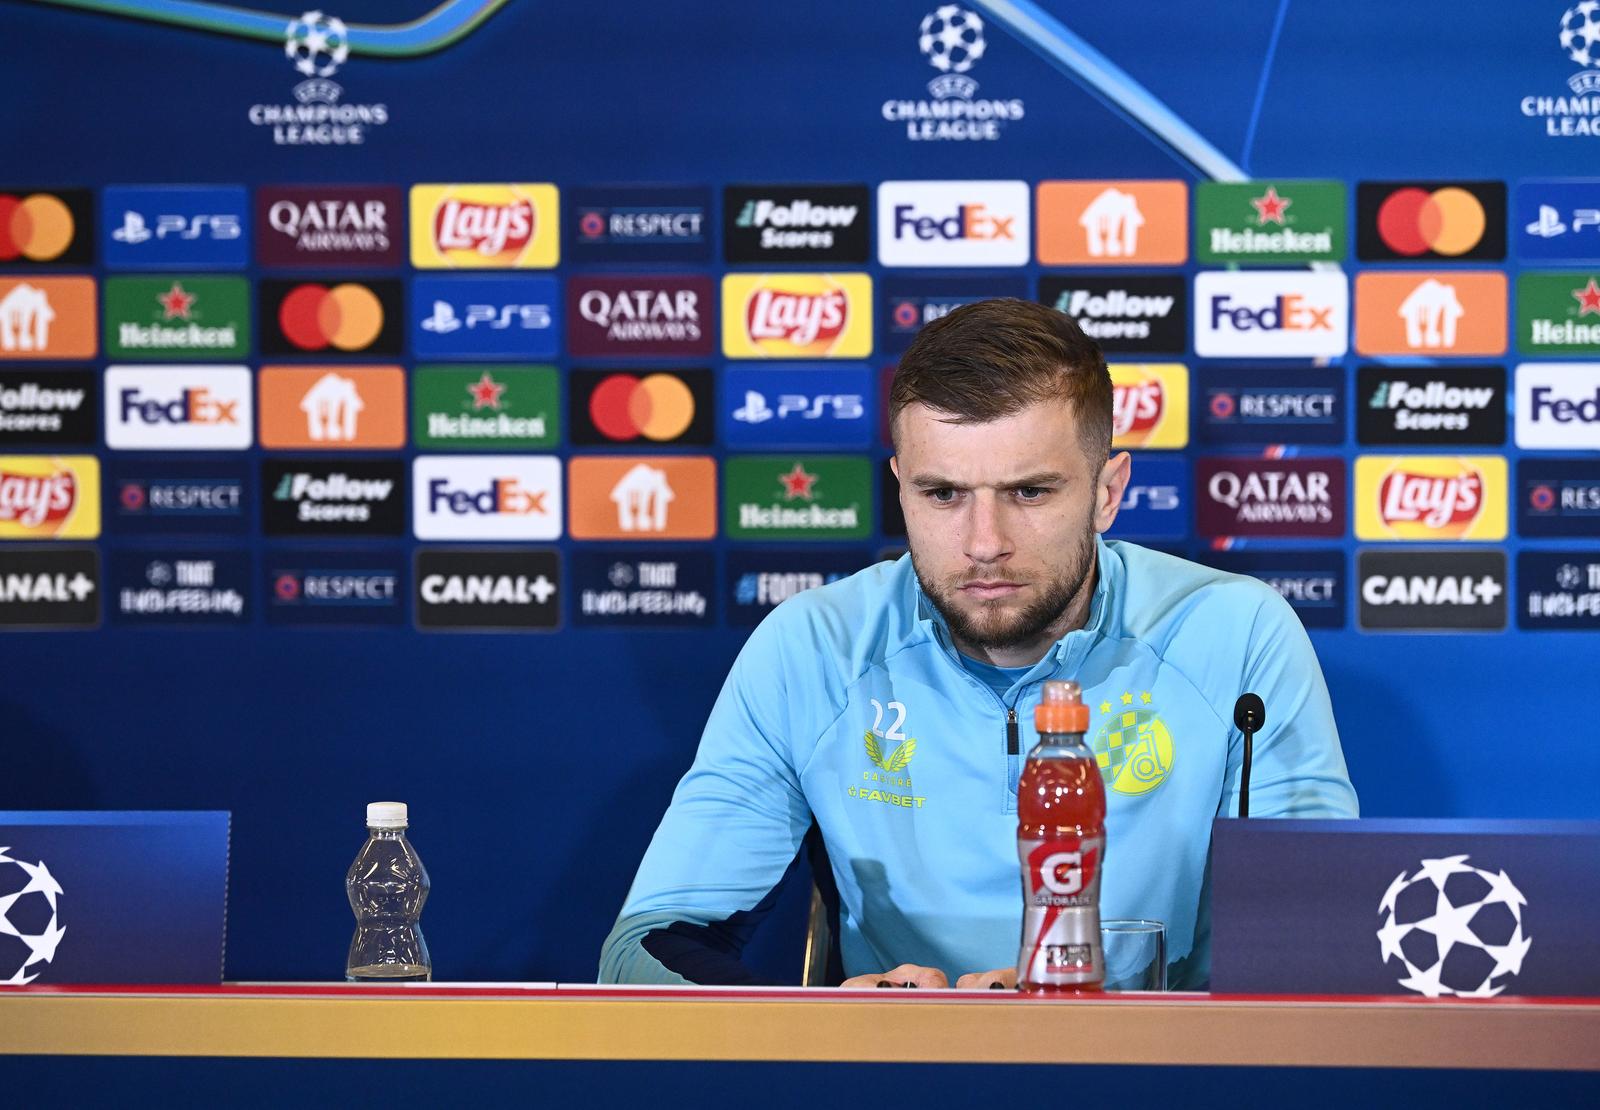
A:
(617, 1043)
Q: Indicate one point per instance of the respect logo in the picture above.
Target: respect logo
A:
(1432, 497)
(499, 227)
(796, 315)
(49, 497)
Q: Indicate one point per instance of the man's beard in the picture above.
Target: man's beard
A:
(987, 626)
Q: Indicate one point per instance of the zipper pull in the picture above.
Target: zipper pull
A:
(1012, 743)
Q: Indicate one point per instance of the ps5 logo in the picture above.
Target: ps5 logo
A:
(444, 320)
(837, 406)
(135, 229)
(1161, 499)
(1549, 225)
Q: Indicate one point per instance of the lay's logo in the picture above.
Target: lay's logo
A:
(1431, 498)
(797, 316)
(499, 227)
(44, 497)
(1150, 405)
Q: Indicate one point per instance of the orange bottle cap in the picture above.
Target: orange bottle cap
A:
(1061, 708)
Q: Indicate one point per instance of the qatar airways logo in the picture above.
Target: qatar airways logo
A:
(1271, 497)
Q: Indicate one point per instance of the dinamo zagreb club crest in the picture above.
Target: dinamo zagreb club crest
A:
(1133, 746)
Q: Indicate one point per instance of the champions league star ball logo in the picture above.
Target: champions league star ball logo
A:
(317, 44)
(952, 38)
(1456, 928)
(1580, 39)
(29, 927)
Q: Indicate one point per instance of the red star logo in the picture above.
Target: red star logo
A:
(1588, 299)
(486, 392)
(1270, 207)
(176, 303)
(797, 483)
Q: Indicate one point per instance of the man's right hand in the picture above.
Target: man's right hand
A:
(928, 978)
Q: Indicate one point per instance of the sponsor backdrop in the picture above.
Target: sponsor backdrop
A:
(360, 441)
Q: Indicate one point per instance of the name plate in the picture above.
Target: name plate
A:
(1457, 908)
(112, 897)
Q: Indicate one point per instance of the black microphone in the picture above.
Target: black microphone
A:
(1249, 714)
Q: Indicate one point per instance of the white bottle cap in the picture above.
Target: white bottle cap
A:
(386, 815)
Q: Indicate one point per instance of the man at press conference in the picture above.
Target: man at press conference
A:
(893, 708)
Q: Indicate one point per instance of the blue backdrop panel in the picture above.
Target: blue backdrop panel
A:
(537, 765)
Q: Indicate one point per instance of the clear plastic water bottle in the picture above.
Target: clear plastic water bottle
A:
(387, 885)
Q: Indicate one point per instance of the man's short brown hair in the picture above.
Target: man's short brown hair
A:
(992, 359)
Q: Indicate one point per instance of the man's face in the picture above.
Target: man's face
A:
(1001, 518)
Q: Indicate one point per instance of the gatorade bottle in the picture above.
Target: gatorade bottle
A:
(387, 885)
(1061, 815)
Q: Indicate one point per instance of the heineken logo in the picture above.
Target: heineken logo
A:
(811, 497)
(1558, 313)
(1271, 222)
(177, 317)
(485, 406)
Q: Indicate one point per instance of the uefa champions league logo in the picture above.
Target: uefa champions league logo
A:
(1580, 38)
(1457, 929)
(317, 44)
(951, 39)
(27, 915)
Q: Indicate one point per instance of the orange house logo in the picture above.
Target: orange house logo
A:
(1113, 223)
(1447, 312)
(333, 407)
(47, 317)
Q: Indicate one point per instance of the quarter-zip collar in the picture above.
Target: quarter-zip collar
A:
(1066, 654)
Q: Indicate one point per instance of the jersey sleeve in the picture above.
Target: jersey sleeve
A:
(734, 827)
(1297, 766)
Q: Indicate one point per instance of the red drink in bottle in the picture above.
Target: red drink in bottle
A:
(1061, 817)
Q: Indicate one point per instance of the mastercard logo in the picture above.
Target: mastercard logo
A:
(348, 317)
(38, 227)
(1449, 221)
(658, 407)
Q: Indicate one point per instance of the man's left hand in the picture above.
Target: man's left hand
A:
(988, 980)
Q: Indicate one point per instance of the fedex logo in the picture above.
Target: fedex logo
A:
(1272, 314)
(494, 497)
(195, 408)
(969, 221)
(1284, 313)
(1558, 405)
(500, 495)
(953, 223)
(191, 406)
